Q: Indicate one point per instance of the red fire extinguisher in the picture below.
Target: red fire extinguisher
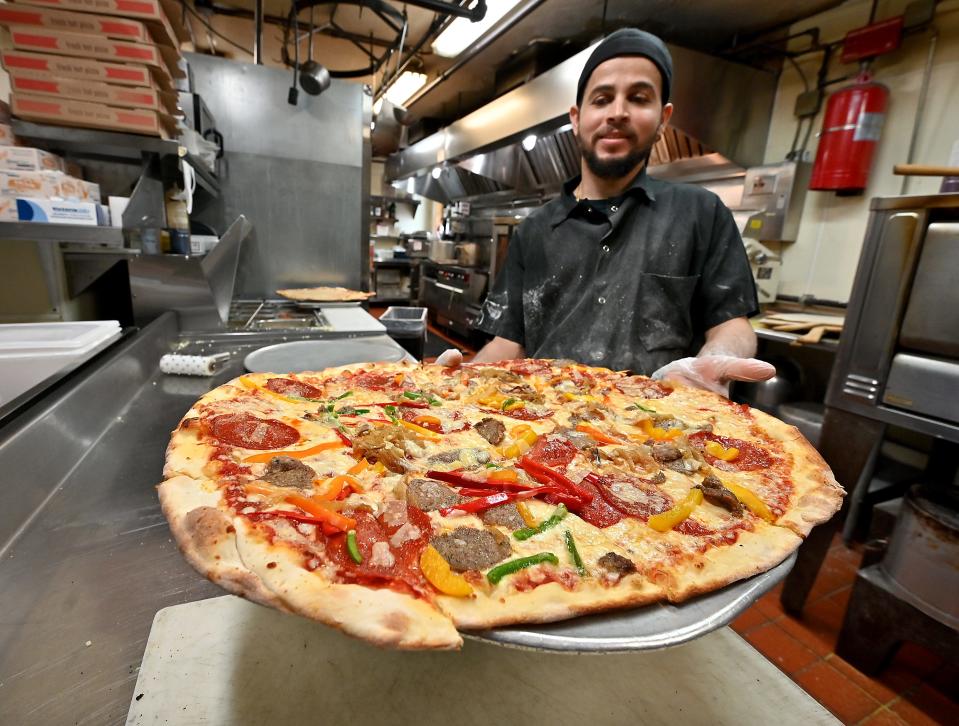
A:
(850, 133)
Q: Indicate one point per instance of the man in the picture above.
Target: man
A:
(622, 270)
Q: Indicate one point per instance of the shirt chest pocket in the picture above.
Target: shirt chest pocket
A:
(664, 315)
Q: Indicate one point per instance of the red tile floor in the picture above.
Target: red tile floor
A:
(916, 688)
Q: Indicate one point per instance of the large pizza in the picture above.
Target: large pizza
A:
(403, 504)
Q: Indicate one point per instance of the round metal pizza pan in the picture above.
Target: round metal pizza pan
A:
(647, 628)
(315, 355)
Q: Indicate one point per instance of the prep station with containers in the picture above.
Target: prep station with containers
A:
(196, 193)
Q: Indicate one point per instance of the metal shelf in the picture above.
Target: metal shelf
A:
(81, 234)
(112, 145)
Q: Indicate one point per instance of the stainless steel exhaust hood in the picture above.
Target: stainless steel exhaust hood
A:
(521, 144)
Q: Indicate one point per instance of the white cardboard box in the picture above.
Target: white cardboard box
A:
(52, 211)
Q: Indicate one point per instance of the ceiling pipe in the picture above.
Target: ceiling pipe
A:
(258, 33)
(521, 12)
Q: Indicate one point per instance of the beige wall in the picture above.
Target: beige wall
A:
(822, 262)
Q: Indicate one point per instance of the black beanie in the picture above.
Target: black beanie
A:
(629, 41)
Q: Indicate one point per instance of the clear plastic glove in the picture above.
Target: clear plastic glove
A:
(451, 358)
(714, 372)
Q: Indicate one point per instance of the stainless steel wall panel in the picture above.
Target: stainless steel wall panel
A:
(299, 174)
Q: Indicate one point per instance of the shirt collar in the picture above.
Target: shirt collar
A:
(567, 203)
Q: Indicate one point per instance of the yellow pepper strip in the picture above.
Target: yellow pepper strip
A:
(526, 514)
(581, 397)
(671, 517)
(437, 571)
(379, 468)
(718, 451)
(316, 509)
(254, 386)
(294, 453)
(514, 405)
(519, 430)
(359, 466)
(753, 503)
(657, 433)
(503, 475)
(425, 433)
(426, 418)
(331, 488)
(597, 435)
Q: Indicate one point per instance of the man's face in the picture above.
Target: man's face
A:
(621, 116)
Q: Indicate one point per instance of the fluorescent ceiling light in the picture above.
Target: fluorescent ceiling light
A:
(529, 142)
(436, 172)
(377, 105)
(461, 33)
(404, 87)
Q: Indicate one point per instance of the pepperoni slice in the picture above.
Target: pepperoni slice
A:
(289, 387)
(751, 456)
(643, 387)
(404, 573)
(250, 432)
(652, 500)
(598, 512)
(553, 451)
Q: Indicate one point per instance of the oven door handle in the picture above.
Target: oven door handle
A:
(449, 287)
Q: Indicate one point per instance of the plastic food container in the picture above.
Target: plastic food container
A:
(32, 352)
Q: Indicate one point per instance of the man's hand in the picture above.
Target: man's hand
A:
(451, 358)
(714, 372)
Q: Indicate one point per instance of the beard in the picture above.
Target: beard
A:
(618, 166)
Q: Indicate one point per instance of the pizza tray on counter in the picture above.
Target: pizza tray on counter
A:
(650, 627)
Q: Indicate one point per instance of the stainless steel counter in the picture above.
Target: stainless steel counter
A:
(86, 558)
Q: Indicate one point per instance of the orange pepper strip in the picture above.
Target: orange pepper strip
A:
(426, 419)
(332, 487)
(526, 514)
(503, 475)
(595, 433)
(359, 466)
(294, 453)
(316, 509)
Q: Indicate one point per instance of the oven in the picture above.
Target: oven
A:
(453, 294)
(899, 358)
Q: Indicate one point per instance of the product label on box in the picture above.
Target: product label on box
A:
(45, 210)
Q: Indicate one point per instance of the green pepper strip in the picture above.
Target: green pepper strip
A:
(558, 514)
(508, 568)
(352, 547)
(574, 553)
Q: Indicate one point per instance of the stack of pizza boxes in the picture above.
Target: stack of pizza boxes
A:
(101, 64)
(32, 180)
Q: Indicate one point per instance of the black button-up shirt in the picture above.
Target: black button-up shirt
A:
(630, 289)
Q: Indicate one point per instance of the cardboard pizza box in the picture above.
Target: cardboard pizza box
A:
(70, 112)
(162, 18)
(29, 184)
(24, 158)
(42, 66)
(57, 42)
(105, 25)
(96, 92)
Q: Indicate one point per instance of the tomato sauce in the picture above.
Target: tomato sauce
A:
(750, 458)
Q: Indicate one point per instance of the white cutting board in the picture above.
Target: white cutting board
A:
(352, 320)
(227, 661)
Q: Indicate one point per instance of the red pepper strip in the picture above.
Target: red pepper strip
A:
(457, 480)
(471, 492)
(539, 471)
(495, 500)
(305, 518)
(407, 404)
(343, 437)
